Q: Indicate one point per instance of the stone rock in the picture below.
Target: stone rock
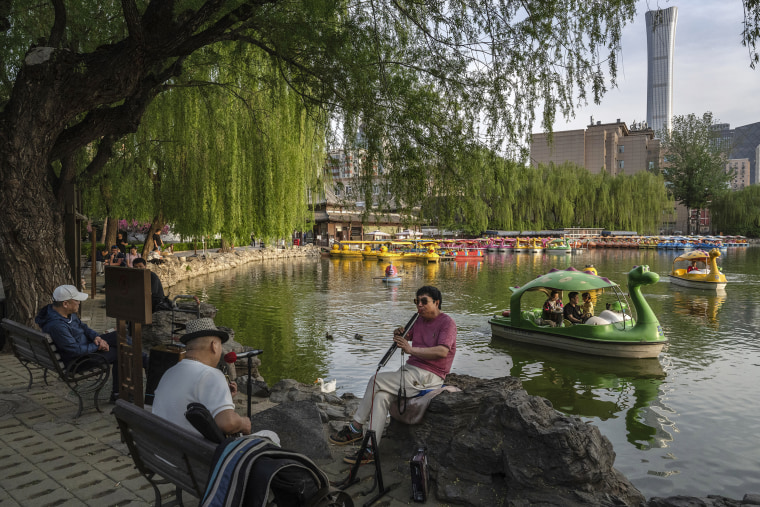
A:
(259, 387)
(299, 426)
(495, 442)
(291, 390)
(690, 501)
(160, 331)
(332, 412)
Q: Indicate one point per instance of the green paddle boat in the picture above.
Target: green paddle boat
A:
(610, 333)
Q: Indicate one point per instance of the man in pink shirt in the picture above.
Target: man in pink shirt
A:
(431, 345)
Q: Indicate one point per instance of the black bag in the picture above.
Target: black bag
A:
(201, 419)
(420, 475)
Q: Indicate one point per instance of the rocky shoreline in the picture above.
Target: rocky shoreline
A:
(184, 266)
(489, 444)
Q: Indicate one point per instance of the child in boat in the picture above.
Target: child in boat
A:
(553, 303)
(587, 308)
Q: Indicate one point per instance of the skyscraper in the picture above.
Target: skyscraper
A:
(661, 38)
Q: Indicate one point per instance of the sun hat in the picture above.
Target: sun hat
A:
(202, 327)
(66, 292)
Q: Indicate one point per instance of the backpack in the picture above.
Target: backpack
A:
(248, 468)
(261, 467)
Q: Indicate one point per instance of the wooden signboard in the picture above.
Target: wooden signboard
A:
(128, 294)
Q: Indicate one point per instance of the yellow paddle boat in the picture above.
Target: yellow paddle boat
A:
(699, 270)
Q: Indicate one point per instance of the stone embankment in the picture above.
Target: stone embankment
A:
(184, 265)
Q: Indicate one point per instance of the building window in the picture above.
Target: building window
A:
(621, 149)
(651, 165)
(621, 164)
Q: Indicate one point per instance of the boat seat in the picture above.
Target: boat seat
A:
(529, 316)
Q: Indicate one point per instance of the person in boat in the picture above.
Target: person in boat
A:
(573, 311)
(553, 303)
(587, 308)
(431, 345)
(693, 267)
(552, 309)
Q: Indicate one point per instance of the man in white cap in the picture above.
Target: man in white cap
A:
(196, 379)
(71, 336)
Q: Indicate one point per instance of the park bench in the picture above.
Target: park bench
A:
(35, 349)
(159, 447)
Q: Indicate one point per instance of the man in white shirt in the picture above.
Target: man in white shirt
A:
(196, 379)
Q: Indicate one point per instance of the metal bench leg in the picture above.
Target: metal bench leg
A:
(81, 404)
(31, 377)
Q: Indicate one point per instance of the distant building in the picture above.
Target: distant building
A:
(661, 39)
(741, 172)
(611, 147)
(743, 143)
(746, 144)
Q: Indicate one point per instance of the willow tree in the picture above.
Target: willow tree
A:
(737, 212)
(230, 154)
(566, 195)
(79, 76)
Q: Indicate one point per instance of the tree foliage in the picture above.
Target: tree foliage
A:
(737, 212)
(695, 160)
(511, 196)
(234, 157)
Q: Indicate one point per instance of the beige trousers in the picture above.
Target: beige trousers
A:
(382, 389)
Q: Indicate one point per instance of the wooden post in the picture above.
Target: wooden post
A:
(93, 263)
(128, 299)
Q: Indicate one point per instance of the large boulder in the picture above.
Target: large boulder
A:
(299, 426)
(495, 442)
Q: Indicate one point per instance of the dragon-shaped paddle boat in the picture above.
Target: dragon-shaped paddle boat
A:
(699, 270)
(610, 333)
(558, 245)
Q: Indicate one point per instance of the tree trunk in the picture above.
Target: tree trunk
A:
(112, 229)
(105, 230)
(32, 255)
(156, 226)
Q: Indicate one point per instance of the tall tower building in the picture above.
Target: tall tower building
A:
(661, 38)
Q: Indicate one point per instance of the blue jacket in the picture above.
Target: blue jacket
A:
(71, 336)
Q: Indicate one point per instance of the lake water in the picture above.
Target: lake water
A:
(686, 423)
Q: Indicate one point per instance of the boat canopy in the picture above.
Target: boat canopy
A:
(693, 255)
(565, 279)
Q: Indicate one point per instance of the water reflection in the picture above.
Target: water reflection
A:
(594, 387)
(700, 304)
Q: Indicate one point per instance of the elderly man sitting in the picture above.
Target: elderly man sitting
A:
(196, 379)
(72, 337)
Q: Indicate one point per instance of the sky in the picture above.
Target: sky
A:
(711, 69)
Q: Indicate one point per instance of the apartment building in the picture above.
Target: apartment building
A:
(612, 147)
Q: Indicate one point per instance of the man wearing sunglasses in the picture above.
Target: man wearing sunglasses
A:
(431, 345)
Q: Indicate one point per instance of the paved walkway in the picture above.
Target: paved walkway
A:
(47, 458)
